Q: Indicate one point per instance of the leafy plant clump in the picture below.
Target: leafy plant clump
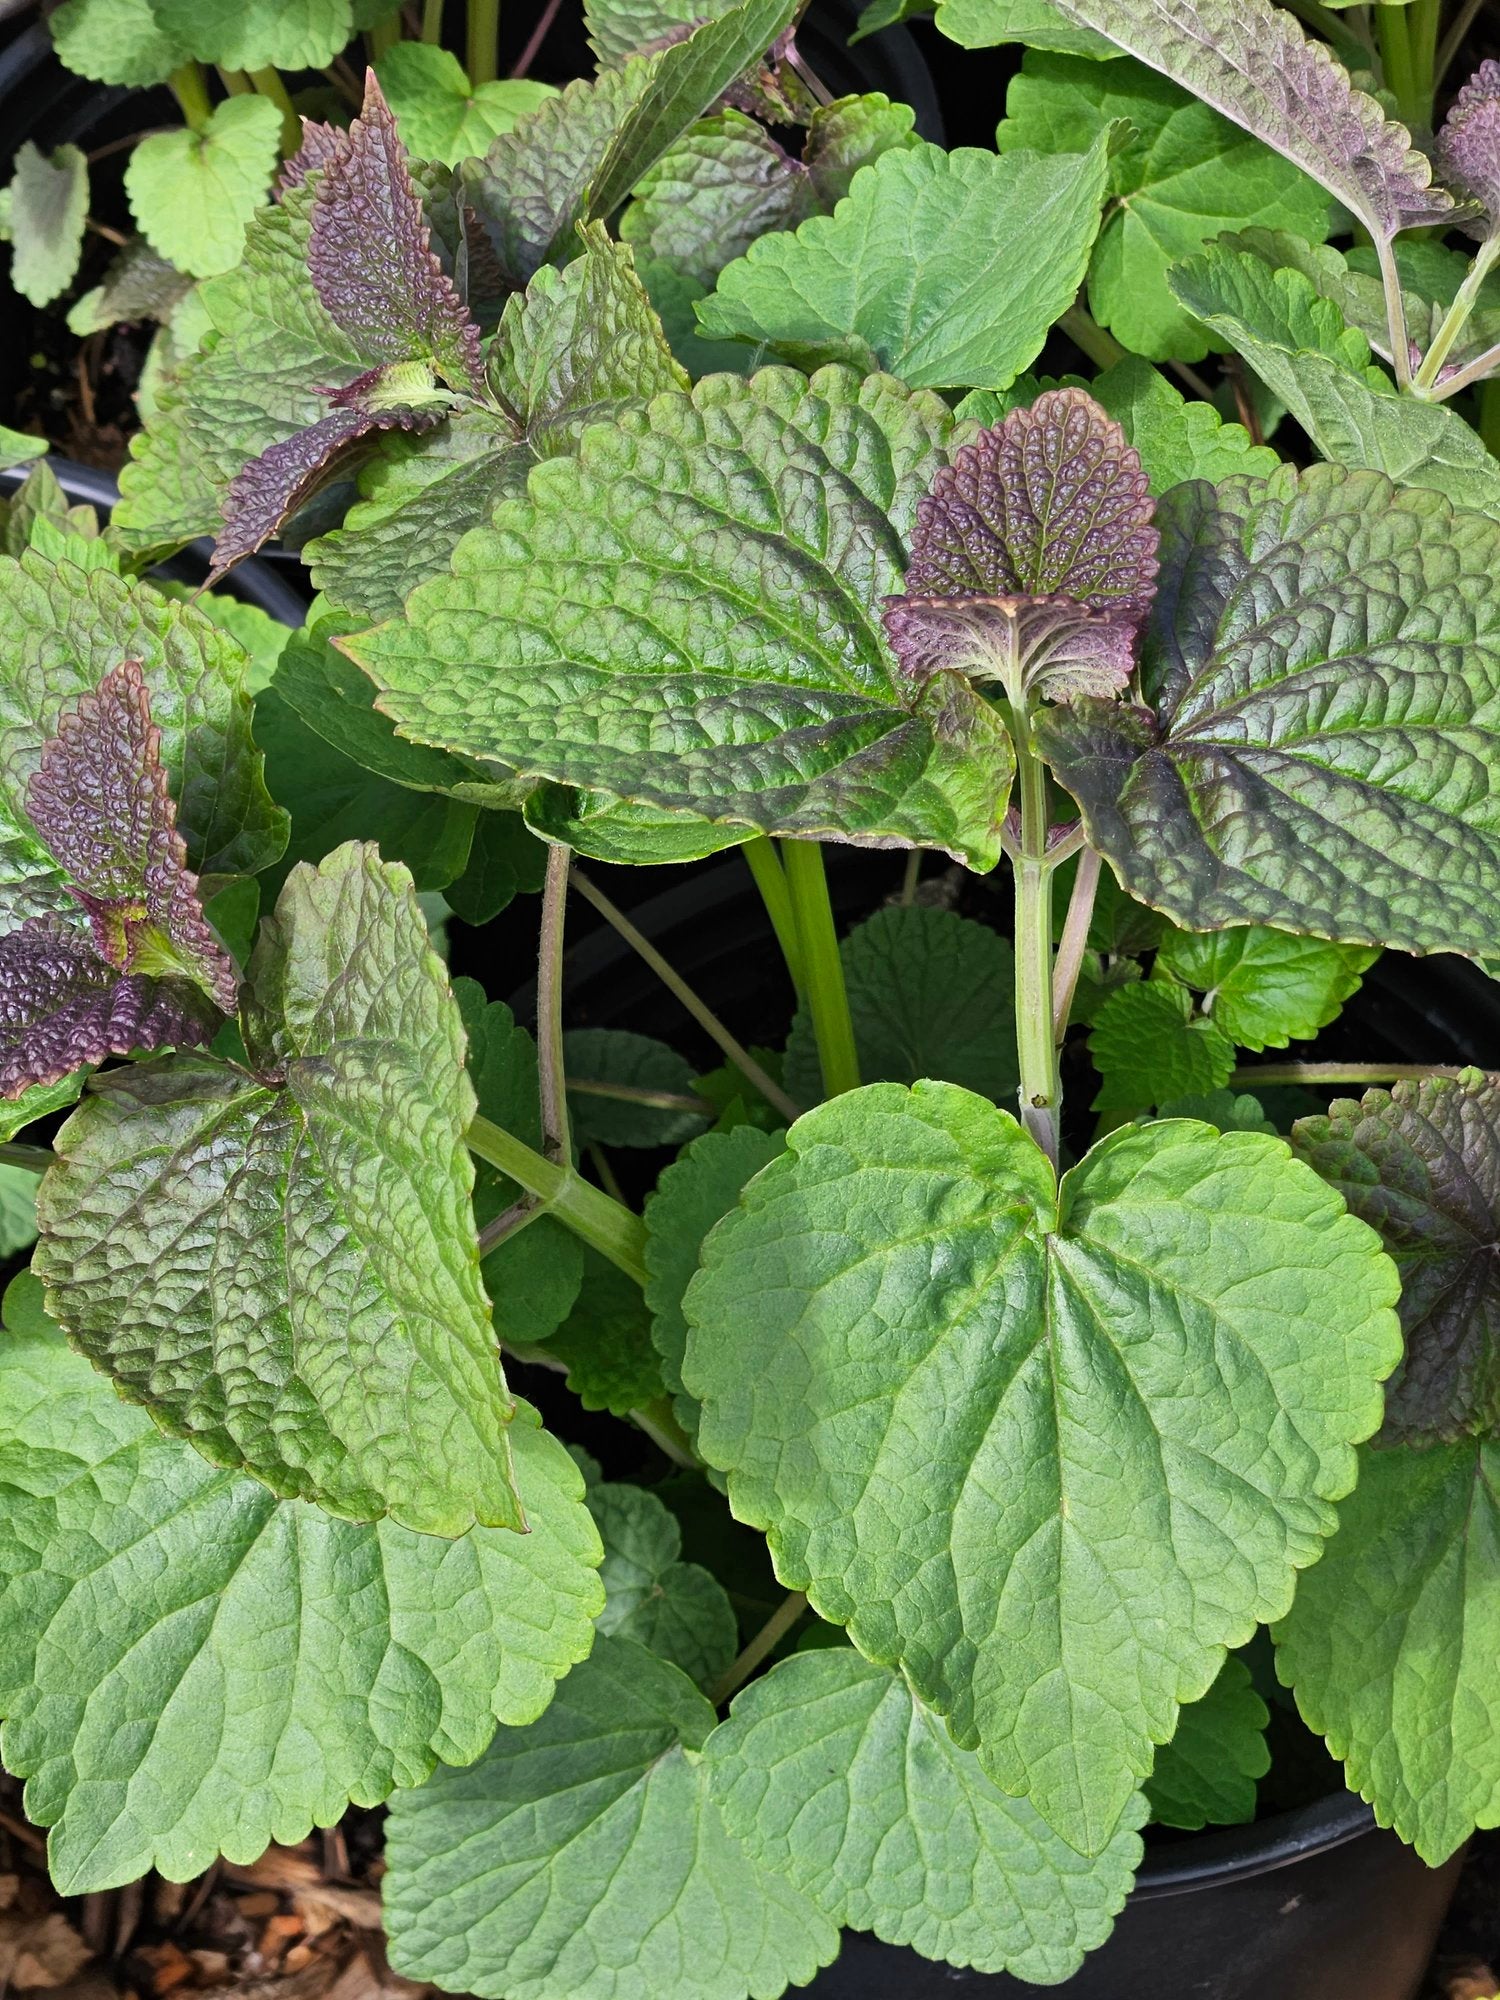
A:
(989, 1467)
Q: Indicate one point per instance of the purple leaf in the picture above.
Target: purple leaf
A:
(99, 798)
(274, 486)
(1051, 644)
(320, 144)
(62, 1006)
(1052, 502)
(1468, 147)
(370, 256)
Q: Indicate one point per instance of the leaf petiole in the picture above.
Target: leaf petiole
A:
(1457, 316)
(602, 1222)
(556, 1138)
(739, 1670)
(1074, 942)
(1036, 1049)
(1251, 1074)
(770, 878)
(822, 965)
(190, 87)
(30, 1159)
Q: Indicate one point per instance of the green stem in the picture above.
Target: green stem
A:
(1036, 1049)
(1408, 55)
(675, 984)
(1489, 413)
(1249, 1075)
(268, 84)
(484, 41)
(432, 22)
(659, 1423)
(1395, 312)
(551, 1074)
(1457, 316)
(822, 966)
(385, 34)
(770, 879)
(911, 877)
(190, 87)
(235, 82)
(1477, 370)
(1454, 40)
(630, 1093)
(590, 1213)
(1074, 940)
(31, 1159)
(1084, 331)
(739, 1670)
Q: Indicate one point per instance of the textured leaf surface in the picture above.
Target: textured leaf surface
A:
(675, 1609)
(40, 1101)
(442, 115)
(982, 24)
(635, 1062)
(946, 268)
(1148, 1049)
(620, 28)
(17, 1210)
(258, 34)
(288, 1662)
(1300, 348)
(60, 628)
(631, 624)
(582, 1859)
(279, 1263)
(931, 995)
(1421, 1164)
(114, 41)
(19, 447)
(1468, 146)
(1324, 752)
(1266, 988)
(1206, 1775)
(1251, 60)
(1179, 1351)
(1392, 1642)
(193, 193)
(605, 1341)
(1176, 439)
(688, 1199)
(47, 201)
(1184, 176)
(830, 1771)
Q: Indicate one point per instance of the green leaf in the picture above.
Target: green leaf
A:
(1266, 988)
(619, 28)
(258, 34)
(138, 285)
(59, 626)
(946, 268)
(1148, 1049)
(676, 1609)
(832, 1772)
(727, 182)
(441, 114)
(1303, 768)
(1206, 1775)
(289, 1662)
(582, 1859)
(506, 860)
(48, 199)
(17, 1210)
(982, 24)
(258, 378)
(333, 799)
(115, 41)
(600, 825)
(1320, 368)
(40, 1101)
(279, 1261)
(1081, 1444)
(1176, 439)
(576, 341)
(192, 193)
(534, 1275)
(1392, 1642)
(1184, 175)
(605, 1341)
(1357, 297)
(688, 1199)
(931, 994)
(1421, 1165)
(1225, 1110)
(19, 448)
(615, 1056)
(626, 626)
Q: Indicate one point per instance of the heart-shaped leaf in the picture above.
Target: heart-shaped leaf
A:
(192, 193)
(1324, 661)
(442, 115)
(1049, 1451)
(676, 1609)
(1207, 1774)
(1266, 988)
(687, 614)
(279, 1261)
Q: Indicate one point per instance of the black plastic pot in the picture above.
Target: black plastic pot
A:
(1312, 1904)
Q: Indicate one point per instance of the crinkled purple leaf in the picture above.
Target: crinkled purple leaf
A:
(273, 486)
(321, 144)
(99, 798)
(1051, 502)
(1053, 645)
(1421, 1164)
(1468, 146)
(371, 260)
(62, 1006)
(1251, 61)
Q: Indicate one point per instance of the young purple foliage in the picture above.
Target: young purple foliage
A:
(99, 798)
(371, 263)
(1033, 561)
(1468, 146)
